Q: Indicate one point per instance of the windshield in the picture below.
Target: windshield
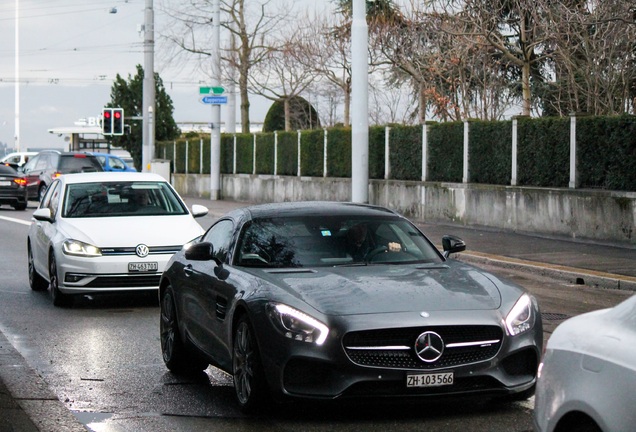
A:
(107, 199)
(331, 241)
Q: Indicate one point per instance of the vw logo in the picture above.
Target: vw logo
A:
(429, 346)
(142, 250)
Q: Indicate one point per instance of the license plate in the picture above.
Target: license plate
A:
(430, 380)
(142, 266)
(5, 183)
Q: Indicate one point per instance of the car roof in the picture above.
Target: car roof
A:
(111, 177)
(106, 154)
(316, 208)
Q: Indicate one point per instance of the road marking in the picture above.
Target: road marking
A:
(20, 221)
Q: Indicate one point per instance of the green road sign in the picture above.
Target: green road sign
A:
(212, 90)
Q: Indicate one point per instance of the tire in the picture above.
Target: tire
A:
(247, 370)
(173, 350)
(37, 282)
(59, 298)
(20, 206)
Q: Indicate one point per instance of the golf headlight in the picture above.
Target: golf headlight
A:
(297, 325)
(521, 317)
(78, 248)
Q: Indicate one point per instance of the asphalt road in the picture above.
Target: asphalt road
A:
(101, 361)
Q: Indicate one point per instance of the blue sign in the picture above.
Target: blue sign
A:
(214, 100)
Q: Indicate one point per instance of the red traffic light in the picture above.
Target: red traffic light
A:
(106, 114)
(117, 114)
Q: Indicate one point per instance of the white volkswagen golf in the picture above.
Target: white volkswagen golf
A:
(104, 232)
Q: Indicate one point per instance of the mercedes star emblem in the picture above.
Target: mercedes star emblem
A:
(429, 346)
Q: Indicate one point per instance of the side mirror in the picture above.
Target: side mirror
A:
(43, 214)
(199, 210)
(200, 252)
(452, 244)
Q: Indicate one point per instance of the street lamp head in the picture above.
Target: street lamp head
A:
(113, 10)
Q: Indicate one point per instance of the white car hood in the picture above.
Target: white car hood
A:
(132, 230)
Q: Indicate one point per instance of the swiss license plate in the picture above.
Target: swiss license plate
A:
(5, 183)
(430, 379)
(142, 266)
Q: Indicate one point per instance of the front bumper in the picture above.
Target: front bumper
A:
(80, 275)
(334, 370)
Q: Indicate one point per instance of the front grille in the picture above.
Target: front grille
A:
(394, 348)
(153, 250)
(142, 281)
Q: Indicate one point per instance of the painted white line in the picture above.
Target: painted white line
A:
(20, 221)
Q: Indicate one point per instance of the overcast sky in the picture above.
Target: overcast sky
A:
(70, 52)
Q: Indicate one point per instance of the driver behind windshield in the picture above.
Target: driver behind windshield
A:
(360, 243)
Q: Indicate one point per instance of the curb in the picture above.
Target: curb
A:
(575, 276)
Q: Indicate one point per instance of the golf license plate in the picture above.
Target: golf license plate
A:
(5, 183)
(142, 266)
(430, 379)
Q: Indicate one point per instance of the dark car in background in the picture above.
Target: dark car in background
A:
(329, 300)
(13, 190)
(47, 165)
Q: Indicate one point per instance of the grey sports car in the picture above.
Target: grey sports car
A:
(328, 300)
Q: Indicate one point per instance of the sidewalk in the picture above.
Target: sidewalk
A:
(26, 403)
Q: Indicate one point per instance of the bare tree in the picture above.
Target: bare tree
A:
(282, 76)
(515, 28)
(593, 57)
(327, 52)
(252, 24)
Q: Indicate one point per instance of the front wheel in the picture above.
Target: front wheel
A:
(59, 298)
(37, 282)
(247, 370)
(172, 348)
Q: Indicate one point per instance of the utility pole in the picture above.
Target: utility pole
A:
(16, 135)
(215, 135)
(148, 103)
(360, 104)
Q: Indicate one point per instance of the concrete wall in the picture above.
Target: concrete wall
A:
(590, 214)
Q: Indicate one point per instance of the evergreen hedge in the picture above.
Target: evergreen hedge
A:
(605, 158)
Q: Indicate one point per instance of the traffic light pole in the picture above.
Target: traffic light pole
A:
(148, 104)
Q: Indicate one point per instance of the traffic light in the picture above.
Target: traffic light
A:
(118, 121)
(107, 121)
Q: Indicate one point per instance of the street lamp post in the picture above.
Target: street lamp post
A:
(215, 135)
(360, 104)
(148, 103)
(17, 76)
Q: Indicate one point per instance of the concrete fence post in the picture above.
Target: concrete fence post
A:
(387, 159)
(187, 156)
(275, 152)
(234, 154)
(424, 152)
(573, 173)
(254, 156)
(201, 156)
(465, 177)
(513, 179)
(298, 169)
(324, 160)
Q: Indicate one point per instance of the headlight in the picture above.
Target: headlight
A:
(78, 248)
(521, 317)
(297, 325)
